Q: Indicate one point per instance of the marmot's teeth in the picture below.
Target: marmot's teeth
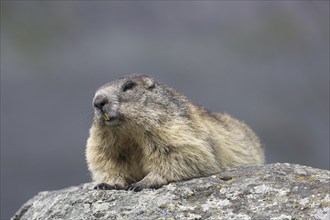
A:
(106, 117)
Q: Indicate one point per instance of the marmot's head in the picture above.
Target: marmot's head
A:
(138, 100)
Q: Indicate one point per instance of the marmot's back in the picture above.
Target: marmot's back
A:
(241, 141)
(146, 134)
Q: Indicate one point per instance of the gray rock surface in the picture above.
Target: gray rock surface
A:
(273, 191)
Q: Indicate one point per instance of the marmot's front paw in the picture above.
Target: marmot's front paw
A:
(105, 186)
(136, 187)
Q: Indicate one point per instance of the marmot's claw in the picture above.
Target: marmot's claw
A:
(105, 186)
(136, 187)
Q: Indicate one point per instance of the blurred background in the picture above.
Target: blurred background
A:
(266, 63)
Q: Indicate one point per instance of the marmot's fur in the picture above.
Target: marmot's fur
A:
(146, 134)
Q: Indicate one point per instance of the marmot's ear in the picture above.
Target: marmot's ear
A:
(149, 83)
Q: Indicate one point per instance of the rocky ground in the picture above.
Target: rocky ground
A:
(272, 191)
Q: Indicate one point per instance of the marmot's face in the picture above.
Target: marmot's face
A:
(125, 100)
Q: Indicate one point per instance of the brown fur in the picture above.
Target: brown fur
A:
(156, 136)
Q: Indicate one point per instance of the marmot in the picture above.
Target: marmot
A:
(146, 134)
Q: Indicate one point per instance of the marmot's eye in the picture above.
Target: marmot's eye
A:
(128, 85)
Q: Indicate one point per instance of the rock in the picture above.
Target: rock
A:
(272, 191)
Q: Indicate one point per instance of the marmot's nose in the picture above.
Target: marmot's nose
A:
(100, 101)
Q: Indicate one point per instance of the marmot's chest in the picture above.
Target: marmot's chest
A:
(132, 160)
